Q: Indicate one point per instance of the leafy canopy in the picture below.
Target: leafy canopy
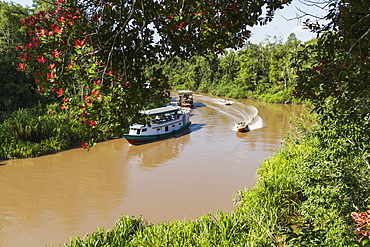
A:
(95, 54)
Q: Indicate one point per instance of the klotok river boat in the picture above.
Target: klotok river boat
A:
(164, 122)
(186, 98)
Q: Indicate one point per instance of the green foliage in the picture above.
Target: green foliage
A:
(15, 86)
(221, 229)
(336, 80)
(261, 72)
(39, 130)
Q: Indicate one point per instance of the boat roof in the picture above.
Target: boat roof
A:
(185, 91)
(161, 110)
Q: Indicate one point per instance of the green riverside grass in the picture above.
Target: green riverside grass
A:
(38, 131)
(287, 207)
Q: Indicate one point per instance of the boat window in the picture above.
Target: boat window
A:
(143, 130)
(173, 125)
(158, 129)
(179, 123)
(138, 131)
(166, 128)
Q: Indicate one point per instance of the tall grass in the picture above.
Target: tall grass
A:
(37, 131)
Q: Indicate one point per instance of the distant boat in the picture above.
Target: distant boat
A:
(242, 127)
(228, 102)
(164, 122)
(186, 98)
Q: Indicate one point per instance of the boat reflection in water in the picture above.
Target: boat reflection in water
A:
(152, 154)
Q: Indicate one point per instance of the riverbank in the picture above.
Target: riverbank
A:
(41, 130)
(302, 187)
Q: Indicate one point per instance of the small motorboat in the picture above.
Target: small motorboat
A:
(228, 102)
(242, 127)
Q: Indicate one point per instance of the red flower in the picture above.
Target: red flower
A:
(36, 43)
(65, 100)
(37, 73)
(79, 43)
(84, 145)
(63, 107)
(41, 59)
(98, 82)
(110, 72)
(56, 29)
(52, 66)
(29, 45)
(41, 32)
(19, 48)
(71, 66)
(21, 67)
(92, 123)
(50, 75)
(60, 92)
(56, 53)
(37, 81)
(95, 92)
(181, 25)
(23, 56)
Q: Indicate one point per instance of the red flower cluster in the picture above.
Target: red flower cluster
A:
(41, 59)
(84, 145)
(362, 220)
(80, 43)
(21, 67)
(56, 54)
(56, 29)
(60, 92)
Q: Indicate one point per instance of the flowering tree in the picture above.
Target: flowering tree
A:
(93, 54)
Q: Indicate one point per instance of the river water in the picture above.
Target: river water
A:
(45, 200)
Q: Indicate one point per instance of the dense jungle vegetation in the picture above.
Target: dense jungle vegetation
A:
(313, 192)
(259, 71)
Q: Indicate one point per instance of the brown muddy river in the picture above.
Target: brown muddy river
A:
(45, 200)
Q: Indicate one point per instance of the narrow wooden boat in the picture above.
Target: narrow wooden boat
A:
(164, 122)
(186, 98)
